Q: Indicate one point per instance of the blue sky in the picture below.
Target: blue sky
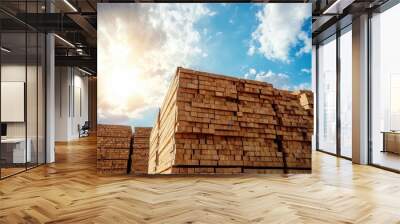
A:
(227, 38)
(140, 46)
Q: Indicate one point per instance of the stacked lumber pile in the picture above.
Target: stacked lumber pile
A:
(216, 124)
(140, 153)
(113, 148)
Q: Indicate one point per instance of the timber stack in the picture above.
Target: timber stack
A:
(113, 149)
(217, 124)
(140, 153)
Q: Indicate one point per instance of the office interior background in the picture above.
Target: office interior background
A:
(47, 80)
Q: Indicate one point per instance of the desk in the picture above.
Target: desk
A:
(16, 147)
(391, 141)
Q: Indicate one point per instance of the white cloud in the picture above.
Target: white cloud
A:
(306, 70)
(278, 80)
(301, 86)
(252, 50)
(250, 74)
(279, 30)
(140, 46)
(212, 13)
(307, 44)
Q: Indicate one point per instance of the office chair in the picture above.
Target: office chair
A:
(84, 130)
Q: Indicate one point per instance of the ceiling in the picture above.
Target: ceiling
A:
(331, 15)
(73, 21)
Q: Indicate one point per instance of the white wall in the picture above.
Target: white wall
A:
(62, 81)
(71, 94)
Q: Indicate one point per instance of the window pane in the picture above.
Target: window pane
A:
(327, 96)
(386, 89)
(346, 94)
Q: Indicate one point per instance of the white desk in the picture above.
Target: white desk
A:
(18, 144)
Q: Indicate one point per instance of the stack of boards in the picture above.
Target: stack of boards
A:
(113, 148)
(140, 153)
(216, 124)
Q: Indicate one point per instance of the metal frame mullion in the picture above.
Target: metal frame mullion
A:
(369, 81)
(44, 79)
(338, 73)
(37, 91)
(26, 87)
(316, 97)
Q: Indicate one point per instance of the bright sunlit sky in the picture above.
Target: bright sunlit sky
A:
(141, 45)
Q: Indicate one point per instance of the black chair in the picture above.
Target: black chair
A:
(84, 130)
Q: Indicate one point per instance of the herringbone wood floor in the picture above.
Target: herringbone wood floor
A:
(69, 191)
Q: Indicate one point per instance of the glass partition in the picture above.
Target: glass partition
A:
(22, 77)
(14, 153)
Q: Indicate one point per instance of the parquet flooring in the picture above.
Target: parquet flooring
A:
(69, 191)
(11, 170)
